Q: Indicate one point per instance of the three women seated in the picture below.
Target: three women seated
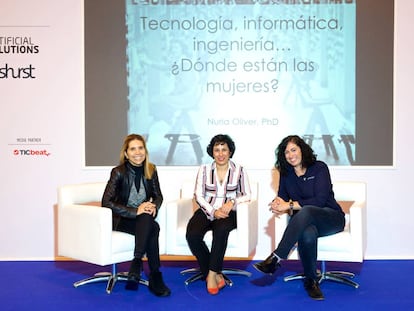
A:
(305, 192)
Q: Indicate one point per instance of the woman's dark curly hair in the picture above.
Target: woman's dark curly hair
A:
(308, 155)
(221, 139)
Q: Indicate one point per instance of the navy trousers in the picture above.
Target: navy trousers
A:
(304, 228)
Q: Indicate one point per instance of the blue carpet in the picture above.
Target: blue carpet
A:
(384, 285)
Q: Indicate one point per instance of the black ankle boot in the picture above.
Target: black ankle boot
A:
(134, 274)
(312, 288)
(157, 286)
(269, 265)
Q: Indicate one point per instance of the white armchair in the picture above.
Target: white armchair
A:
(85, 232)
(242, 241)
(346, 246)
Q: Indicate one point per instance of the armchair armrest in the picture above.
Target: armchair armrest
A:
(247, 226)
(178, 212)
(357, 229)
(85, 232)
(281, 223)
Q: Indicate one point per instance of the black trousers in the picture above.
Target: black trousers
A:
(146, 231)
(197, 227)
(304, 228)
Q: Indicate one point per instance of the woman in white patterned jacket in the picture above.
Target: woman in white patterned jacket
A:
(220, 186)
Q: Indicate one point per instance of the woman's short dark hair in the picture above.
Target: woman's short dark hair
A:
(308, 155)
(221, 139)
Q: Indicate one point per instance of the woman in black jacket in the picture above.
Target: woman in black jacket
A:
(133, 194)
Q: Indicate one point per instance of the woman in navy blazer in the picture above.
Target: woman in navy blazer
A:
(305, 192)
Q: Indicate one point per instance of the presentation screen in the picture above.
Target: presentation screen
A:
(257, 70)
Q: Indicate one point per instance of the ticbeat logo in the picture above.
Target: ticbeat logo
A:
(31, 152)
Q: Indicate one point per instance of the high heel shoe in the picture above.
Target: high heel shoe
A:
(221, 283)
(212, 290)
(269, 265)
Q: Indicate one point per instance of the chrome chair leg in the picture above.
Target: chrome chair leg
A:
(110, 277)
(335, 276)
(340, 277)
(197, 275)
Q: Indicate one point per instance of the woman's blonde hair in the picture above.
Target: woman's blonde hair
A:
(149, 168)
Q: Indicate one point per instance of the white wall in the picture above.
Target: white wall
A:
(50, 108)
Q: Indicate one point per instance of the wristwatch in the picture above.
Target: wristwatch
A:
(290, 207)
